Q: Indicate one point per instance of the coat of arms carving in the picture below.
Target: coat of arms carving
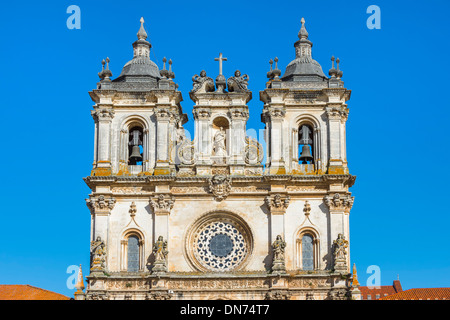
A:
(220, 186)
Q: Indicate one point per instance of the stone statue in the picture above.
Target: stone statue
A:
(219, 143)
(238, 83)
(278, 247)
(340, 252)
(160, 249)
(98, 253)
(202, 81)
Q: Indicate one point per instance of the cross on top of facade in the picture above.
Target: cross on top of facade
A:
(220, 59)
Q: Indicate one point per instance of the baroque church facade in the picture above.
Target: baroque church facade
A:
(175, 218)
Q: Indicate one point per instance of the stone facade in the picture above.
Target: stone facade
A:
(205, 218)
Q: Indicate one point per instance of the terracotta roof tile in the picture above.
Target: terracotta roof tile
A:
(27, 292)
(421, 294)
(380, 291)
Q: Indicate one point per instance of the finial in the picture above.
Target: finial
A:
(80, 283)
(270, 73)
(276, 72)
(303, 34)
(355, 281)
(164, 73)
(142, 34)
(171, 74)
(339, 72)
(107, 63)
(133, 209)
(332, 72)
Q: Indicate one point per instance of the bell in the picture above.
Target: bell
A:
(135, 154)
(306, 154)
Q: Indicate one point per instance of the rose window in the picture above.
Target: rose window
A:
(220, 245)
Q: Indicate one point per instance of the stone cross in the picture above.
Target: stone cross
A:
(220, 59)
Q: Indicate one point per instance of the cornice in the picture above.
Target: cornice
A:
(346, 179)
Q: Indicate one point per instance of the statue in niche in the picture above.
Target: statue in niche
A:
(219, 143)
(160, 249)
(98, 253)
(278, 249)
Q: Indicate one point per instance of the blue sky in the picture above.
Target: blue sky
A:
(397, 135)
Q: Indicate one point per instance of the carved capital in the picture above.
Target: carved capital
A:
(101, 204)
(238, 114)
(103, 114)
(162, 204)
(163, 114)
(339, 202)
(277, 204)
(202, 113)
(337, 112)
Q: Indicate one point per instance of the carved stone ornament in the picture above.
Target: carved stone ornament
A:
(202, 113)
(160, 251)
(254, 152)
(100, 203)
(337, 202)
(202, 83)
(220, 186)
(278, 295)
(162, 204)
(277, 204)
(279, 247)
(238, 83)
(98, 255)
(102, 114)
(186, 152)
(159, 296)
(337, 112)
(340, 246)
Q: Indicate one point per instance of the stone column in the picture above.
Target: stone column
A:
(339, 206)
(103, 118)
(239, 117)
(163, 116)
(203, 145)
(337, 114)
(277, 204)
(274, 121)
(161, 205)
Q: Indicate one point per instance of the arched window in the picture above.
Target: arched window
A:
(133, 254)
(307, 256)
(132, 251)
(307, 252)
(306, 144)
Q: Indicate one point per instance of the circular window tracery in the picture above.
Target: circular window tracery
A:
(219, 243)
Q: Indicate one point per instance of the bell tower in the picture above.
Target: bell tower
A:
(305, 114)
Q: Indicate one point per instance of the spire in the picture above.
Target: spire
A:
(142, 46)
(303, 34)
(80, 283)
(355, 281)
(303, 45)
(142, 34)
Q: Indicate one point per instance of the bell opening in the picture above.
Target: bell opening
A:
(135, 146)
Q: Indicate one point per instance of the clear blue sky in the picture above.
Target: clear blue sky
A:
(397, 137)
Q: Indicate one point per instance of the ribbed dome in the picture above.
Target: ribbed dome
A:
(140, 68)
(303, 67)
